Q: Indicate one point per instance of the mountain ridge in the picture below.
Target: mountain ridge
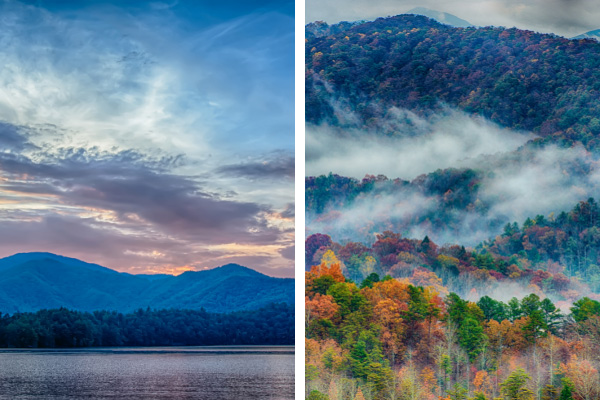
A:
(593, 34)
(46, 280)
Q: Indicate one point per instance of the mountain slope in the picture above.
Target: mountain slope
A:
(230, 287)
(519, 79)
(45, 280)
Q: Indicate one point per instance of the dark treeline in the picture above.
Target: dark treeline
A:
(457, 189)
(270, 325)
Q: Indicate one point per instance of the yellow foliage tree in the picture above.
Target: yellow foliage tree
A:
(359, 395)
(368, 266)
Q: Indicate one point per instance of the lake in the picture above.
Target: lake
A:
(230, 372)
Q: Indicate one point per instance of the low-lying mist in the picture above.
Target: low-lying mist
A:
(406, 145)
(517, 180)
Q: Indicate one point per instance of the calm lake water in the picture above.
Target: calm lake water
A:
(217, 373)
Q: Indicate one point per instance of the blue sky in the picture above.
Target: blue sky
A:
(151, 137)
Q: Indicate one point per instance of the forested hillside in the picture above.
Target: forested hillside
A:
(520, 79)
(453, 205)
(390, 339)
(556, 255)
(518, 312)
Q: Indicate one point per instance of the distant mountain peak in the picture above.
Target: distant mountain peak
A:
(595, 34)
(231, 269)
(236, 267)
(44, 257)
(33, 281)
(441, 17)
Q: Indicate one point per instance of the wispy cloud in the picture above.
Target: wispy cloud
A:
(131, 128)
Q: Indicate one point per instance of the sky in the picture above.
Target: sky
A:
(150, 137)
(562, 17)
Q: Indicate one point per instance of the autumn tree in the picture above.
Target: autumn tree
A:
(584, 377)
(320, 307)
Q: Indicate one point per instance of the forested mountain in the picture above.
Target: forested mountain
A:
(337, 191)
(475, 278)
(320, 28)
(519, 79)
(449, 195)
(34, 281)
(454, 205)
(22, 258)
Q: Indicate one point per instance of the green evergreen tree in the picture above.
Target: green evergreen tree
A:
(316, 395)
(567, 391)
(458, 392)
(514, 387)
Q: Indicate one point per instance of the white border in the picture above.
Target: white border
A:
(299, 194)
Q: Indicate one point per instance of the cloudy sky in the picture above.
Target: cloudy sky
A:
(156, 137)
(563, 17)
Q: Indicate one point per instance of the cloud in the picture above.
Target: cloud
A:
(175, 203)
(115, 119)
(288, 252)
(289, 212)
(564, 17)
(126, 205)
(273, 166)
(534, 182)
(11, 140)
(368, 215)
(108, 78)
(146, 252)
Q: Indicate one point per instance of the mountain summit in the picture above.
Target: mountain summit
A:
(441, 17)
(595, 34)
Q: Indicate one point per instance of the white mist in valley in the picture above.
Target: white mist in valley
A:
(517, 181)
(406, 145)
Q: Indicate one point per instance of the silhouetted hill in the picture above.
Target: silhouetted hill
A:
(34, 281)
